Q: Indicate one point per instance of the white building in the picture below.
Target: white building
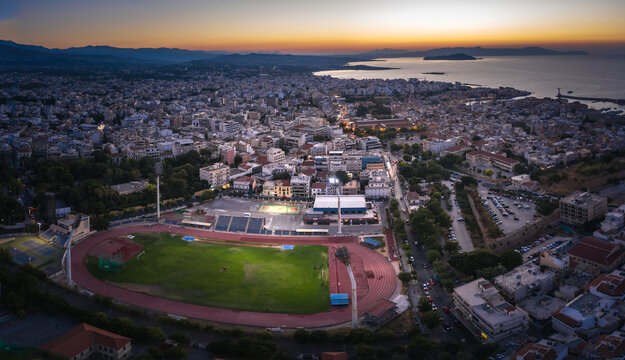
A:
(525, 280)
(486, 313)
(275, 155)
(217, 175)
(379, 186)
(437, 145)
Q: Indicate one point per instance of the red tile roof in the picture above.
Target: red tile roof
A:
(596, 251)
(536, 351)
(380, 307)
(609, 284)
(494, 156)
(82, 337)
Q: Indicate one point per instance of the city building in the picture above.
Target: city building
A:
(300, 187)
(275, 155)
(525, 280)
(484, 158)
(486, 314)
(542, 350)
(282, 189)
(581, 207)
(354, 210)
(599, 253)
(244, 184)
(586, 314)
(217, 175)
(436, 145)
(609, 286)
(351, 188)
(555, 260)
(86, 341)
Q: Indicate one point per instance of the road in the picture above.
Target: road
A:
(460, 229)
(414, 288)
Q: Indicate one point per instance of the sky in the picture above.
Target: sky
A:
(316, 26)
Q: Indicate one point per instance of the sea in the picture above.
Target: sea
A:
(586, 76)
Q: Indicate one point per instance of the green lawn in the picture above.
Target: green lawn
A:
(227, 276)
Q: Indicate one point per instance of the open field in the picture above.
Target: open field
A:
(261, 279)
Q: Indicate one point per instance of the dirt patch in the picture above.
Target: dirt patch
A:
(115, 246)
(250, 271)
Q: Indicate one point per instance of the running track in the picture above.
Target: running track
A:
(384, 284)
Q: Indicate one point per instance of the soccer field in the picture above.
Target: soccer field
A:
(247, 278)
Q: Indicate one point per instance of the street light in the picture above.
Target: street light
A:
(39, 227)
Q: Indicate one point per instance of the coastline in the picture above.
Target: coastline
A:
(589, 77)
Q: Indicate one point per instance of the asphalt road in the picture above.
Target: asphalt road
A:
(460, 229)
(415, 288)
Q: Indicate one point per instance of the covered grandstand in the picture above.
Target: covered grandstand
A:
(241, 224)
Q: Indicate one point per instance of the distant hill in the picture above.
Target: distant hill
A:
(108, 54)
(476, 51)
(459, 56)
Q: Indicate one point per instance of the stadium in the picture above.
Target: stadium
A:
(235, 278)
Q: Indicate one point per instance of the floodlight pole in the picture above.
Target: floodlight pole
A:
(354, 297)
(158, 170)
(338, 197)
(68, 258)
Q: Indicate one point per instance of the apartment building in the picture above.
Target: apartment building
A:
(217, 175)
(484, 158)
(300, 186)
(486, 314)
(580, 207)
(275, 155)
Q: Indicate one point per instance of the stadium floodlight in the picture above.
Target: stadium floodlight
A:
(158, 171)
(337, 184)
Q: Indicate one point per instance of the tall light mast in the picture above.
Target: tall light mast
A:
(158, 171)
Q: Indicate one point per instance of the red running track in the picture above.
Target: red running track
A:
(384, 285)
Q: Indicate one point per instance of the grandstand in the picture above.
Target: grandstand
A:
(248, 225)
(58, 235)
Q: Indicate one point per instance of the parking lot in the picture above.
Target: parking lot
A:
(509, 213)
(544, 243)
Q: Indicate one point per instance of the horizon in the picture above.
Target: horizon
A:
(299, 27)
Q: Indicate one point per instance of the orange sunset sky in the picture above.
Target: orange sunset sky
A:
(320, 26)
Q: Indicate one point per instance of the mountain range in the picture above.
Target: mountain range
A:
(14, 54)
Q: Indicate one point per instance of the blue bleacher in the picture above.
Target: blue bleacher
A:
(238, 224)
(222, 223)
(255, 225)
(46, 235)
(126, 222)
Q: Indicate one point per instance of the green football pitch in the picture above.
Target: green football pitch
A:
(260, 279)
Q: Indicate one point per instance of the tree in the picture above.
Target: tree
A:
(404, 277)
(431, 319)
(395, 147)
(433, 255)
(510, 259)
(407, 158)
(180, 337)
(301, 336)
(282, 176)
(101, 222)
(342, 176)
(451, 247)
(424, 305)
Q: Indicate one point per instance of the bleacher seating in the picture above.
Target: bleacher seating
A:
(238, 224)
(223, 222)
(254, 225)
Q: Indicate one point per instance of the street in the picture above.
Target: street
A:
(440, 296)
